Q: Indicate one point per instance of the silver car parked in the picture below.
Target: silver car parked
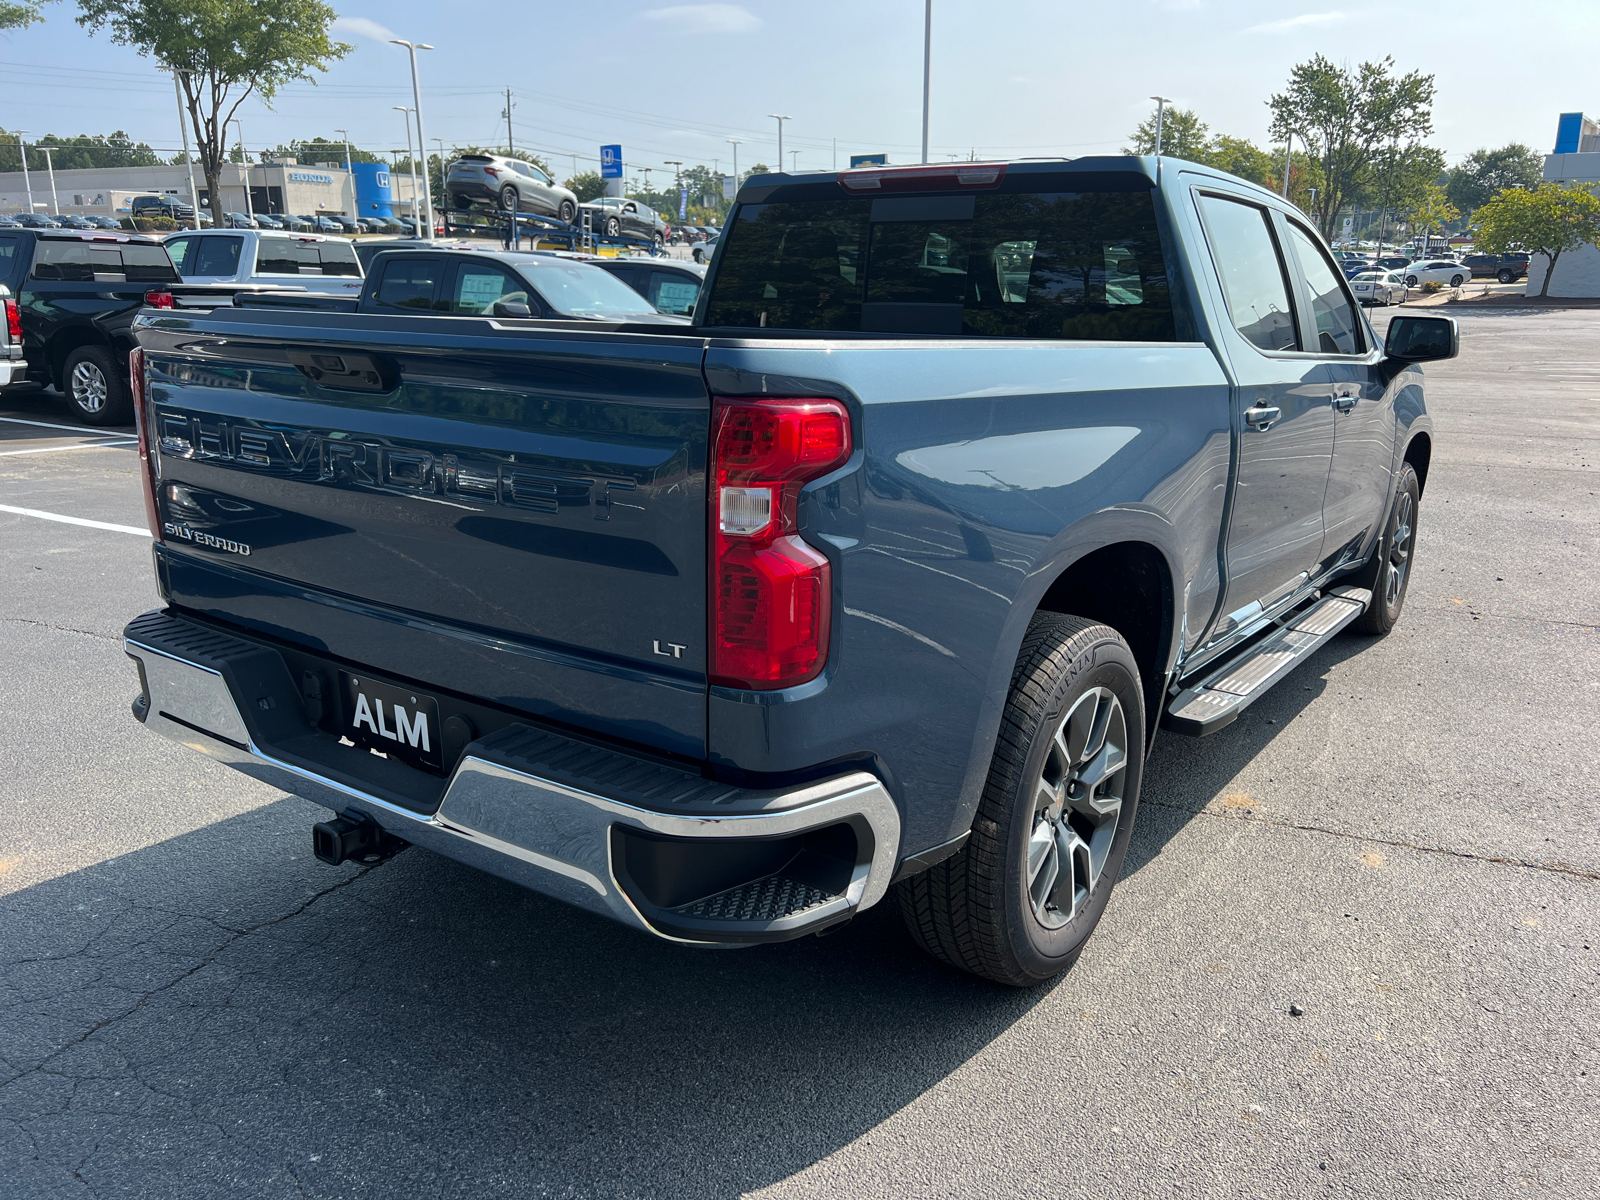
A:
(509, 184)
(1380, 287)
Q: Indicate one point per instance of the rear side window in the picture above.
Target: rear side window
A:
(1253, 278)
(1338, 330)
(216, 256)
(95, 262)
(1057, 265)
(411, 283)
(297, 256)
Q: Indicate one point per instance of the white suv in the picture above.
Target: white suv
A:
(313, 262)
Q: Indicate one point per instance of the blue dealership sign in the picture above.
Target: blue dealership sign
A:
(868, 160)
(610, 162)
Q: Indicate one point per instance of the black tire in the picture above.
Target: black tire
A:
(1457, 280)
(983, 910)
(613, 227)
(1507, 277)
(459, 203)
(1389, 572)
(95, 383)
(659, 243)
(509, 199)
(1411, 281)
(568, 212)
(698, 254)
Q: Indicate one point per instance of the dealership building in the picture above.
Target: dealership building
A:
(280, 186)
(1576, 160)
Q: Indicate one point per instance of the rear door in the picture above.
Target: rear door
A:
(1282, 413)
(511, 514)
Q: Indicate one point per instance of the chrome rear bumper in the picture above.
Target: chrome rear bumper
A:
(548, 834)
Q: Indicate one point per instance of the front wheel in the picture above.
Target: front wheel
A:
(568, 212)
(1507, 277)
(698, 254)
(613, 227)
(1021, 898)
(97, 391)
(1389, 572)
(659, 243)
(509, 199)
(1457, 280)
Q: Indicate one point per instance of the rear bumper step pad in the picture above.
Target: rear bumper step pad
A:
(531, 806)
(1216, 701)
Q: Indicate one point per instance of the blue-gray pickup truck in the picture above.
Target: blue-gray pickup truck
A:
(879, 576)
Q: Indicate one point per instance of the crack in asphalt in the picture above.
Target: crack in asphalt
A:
(204, 962)
(105, 637)
(1555, 868)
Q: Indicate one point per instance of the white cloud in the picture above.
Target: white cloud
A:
(362, 27)
(1303, 21)
(706, 18)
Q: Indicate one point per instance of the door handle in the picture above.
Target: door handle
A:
(1345, 403)
(1262, 416)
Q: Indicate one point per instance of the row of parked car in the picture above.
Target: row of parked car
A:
(1441, 268)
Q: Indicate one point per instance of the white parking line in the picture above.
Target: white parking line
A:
(52, 425)
(65, 520)
(75, 446)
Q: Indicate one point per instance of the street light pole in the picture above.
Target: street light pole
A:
(411, 157)
(780, 121)
(927, 72)
(422, 139)
(249, 212)
(1288, 146)
(795, 155)
(1161, 107)
(350, 171)
(188, 160)
(27, 183)
(734, 142)
(50, 165)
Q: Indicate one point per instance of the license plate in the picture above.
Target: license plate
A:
(397, 721)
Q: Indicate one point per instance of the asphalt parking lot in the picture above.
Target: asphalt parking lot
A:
(1401, 840)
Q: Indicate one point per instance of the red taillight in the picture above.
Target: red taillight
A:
(147, 450)
(13, 321)
(160, 300)
(492, 172)
(771, 593)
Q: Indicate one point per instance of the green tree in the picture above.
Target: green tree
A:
(1549, 220)
(1183, 135)
(1242, 157)
(1344, 116)
(1432, 210)
(587, 186)
(85, 150)
(320, 150)
(223, 52)
(19, 16)
(1485, 172)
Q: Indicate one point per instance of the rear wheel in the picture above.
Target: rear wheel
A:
(1389, 572)
(509, 198)
(97, 391)
(1507, 277)
(568, 212)
(1021, 898)
(613, 227)
(1457, 280)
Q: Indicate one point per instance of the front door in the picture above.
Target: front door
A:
(1282, 414)
(1359, 480)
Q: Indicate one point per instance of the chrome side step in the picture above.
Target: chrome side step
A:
(1213, 703)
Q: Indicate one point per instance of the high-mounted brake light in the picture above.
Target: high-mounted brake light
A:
(771, 593)
(147, 449)
(13, 321)
(924, 179)
(160, 300)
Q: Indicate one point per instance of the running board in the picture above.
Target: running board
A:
(1213, 703)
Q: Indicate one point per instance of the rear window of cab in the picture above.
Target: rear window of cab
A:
(102, 262)
(1083, 265)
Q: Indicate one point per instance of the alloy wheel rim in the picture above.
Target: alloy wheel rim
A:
(1076, 808)
(88, 387)
(1399, 550)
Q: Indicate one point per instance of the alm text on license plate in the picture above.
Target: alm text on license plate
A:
(400, 722)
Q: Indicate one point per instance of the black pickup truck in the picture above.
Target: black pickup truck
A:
(879, 577)
(77, 295)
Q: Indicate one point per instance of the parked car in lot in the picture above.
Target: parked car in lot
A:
(268, 221)
(72, 221)
(507, 183)
(1437, 270)
(160, 206)
(703, 250)
(235, 220)
(36, 221)
(671, 286)
(7, 221)
(730, 630)
(614, 216)
(307, 261)
(1506, 268)
(1380, 287)
(74, 297)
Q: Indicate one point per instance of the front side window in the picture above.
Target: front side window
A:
(577, 289)
(177, 248)
(1338, 330)
(478, 289)
(1253, 279)
(1054, 265)
(411, 283)
(672, 293)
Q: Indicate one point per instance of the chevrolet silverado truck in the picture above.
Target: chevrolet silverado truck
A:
(75, 299)
(879, 576)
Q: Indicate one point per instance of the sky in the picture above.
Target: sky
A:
(1010, 78)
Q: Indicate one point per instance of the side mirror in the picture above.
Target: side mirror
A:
(511, 308)
(1414, 339)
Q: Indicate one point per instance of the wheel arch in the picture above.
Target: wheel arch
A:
(1419, 450)
(61, 346)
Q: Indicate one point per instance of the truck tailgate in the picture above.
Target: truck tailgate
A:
(494, 509)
